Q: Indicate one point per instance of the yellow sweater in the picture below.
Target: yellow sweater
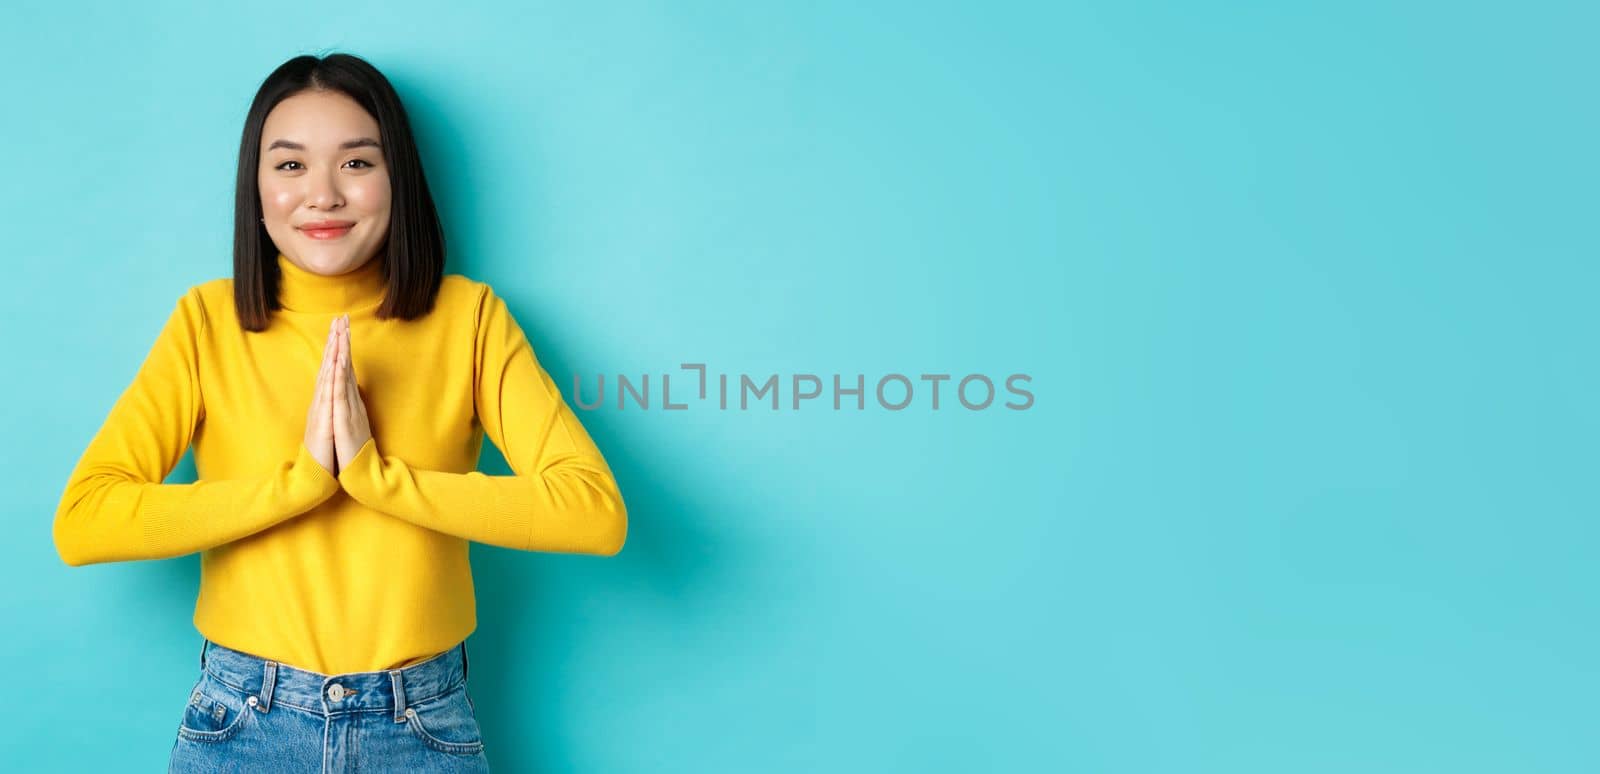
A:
(367, 570)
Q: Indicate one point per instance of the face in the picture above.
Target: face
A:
(321, 165)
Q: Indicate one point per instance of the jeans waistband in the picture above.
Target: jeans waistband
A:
(391, 689)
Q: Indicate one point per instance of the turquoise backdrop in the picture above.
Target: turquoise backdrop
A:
(1306, 294)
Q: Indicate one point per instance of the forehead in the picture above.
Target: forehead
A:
(318, 118)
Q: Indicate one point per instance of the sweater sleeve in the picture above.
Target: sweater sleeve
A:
(115, 506)
(562, 498)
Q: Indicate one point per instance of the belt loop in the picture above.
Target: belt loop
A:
(203, 643)
(269, 677)
(463, 660)
(399, 696)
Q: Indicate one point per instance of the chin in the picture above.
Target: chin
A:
(330, 259)
(322, 264)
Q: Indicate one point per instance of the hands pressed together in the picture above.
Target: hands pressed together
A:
(336, 426)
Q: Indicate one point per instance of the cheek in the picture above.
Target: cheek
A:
(278, 199)
(370, 195)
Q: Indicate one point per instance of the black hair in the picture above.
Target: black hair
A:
(413, 252)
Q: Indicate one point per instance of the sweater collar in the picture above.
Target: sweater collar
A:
(300, 290)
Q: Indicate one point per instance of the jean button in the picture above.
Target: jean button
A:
(336, 692)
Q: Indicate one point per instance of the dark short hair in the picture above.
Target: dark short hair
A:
(413, 251)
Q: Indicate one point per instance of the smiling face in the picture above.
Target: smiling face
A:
(321, 164)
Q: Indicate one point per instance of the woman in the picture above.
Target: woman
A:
(337, 489)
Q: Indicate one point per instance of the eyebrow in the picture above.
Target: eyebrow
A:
(346, 145)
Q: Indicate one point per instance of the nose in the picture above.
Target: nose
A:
(323, 191)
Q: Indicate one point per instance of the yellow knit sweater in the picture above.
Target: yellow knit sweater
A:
(367, 570)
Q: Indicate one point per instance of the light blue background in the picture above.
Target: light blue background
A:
(1307, 294)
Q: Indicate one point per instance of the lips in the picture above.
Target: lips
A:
(327, 229)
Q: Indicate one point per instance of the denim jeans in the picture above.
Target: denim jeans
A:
(249, 714)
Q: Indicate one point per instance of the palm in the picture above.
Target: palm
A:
(319, 438)
(350, 427)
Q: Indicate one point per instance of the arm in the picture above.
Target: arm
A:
(115, 508)
(562, 498)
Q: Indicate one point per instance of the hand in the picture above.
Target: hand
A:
(350, 428)
(319, 419)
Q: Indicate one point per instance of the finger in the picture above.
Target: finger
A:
(349, 357)
(325, 385)
(354, 393)
(355, 397)
(333, 357)
(319, 389)
(328, 350)
(331, 351)
(350, 363)
(344, 365)
(327, 346)
(338, 373)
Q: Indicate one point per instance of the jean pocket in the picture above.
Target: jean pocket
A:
(215, 711)
(446, 723)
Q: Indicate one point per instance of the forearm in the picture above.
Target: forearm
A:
(108, 515)
(568, 505)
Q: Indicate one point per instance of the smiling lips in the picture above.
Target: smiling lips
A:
(327, 229)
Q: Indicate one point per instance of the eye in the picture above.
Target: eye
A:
(280, 166)
(360, 161)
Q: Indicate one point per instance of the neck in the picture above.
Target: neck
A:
(301, 290)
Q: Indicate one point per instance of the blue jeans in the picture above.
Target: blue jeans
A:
(249, 714)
